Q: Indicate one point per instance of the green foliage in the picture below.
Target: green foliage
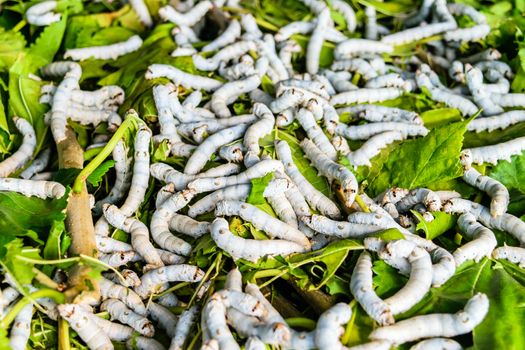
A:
(96, 176)
(21, 270)
(442, 223)
(511, 174)
(258, 187)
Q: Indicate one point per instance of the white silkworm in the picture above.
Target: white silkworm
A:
(501, 121)
(371, 23)
(230, 34)
(190, 18)
(473, 33)
(189, 81)
(332, 170)
(39, 164)
(373, 147)
(21, 329)
(418, 33)
(267, 49)
(24, 153)
(153, 279)
(467, 10)
(82, 323)
(119, 311)
(366, 131)
(515, 255)
(419, 195)
(375, 113)
(329, 327)
(115, 331)
(496, 190)
(188, 226)
(142, 12)
(209, 202)
(347, 12)
(131, 279)
(183, 327)
(89, 116)
(214, 316)
(138, 231)
(29, 188)
(191, 129)
(313, 86)
(254, 343)
(41, 14)
(238, 71)
(357, 65)
(229, 92)
(498, 66)
(482, 241)
(279, 202)
(143, 343)
(501, 151)
(366, 96)
(315, 44)
(167, 174)
(362, 289)
(117, 259)
(508, 100)
(106, 52)
(205, 150)
(232, 153)
(314, 197)
(437, 344)
(227, 53)
(258, 170)
(474, 79)
(457, 71)
(249, 24)
(357, 47)
(485, 55)
(286, 53)
(436, 325)
(110, 290)
(122, 178)
(160, 219)
(339, 229)
(388, 80)
(298, 27)
(262, 221)
(165, 114)
(315, 133)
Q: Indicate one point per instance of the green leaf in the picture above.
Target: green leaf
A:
(11, 44)
(96, 176)
(19, 213)
(258, 187)
(420, 162)
(440, 116)
(511, 174)
(386, 279)
(52, 249)
(442, 223)
(22, 271)
(47, 44)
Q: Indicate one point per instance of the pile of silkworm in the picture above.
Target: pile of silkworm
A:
(196, 120)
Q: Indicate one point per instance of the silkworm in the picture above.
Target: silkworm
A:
(117, 259)
(81, 322)
(110, 290)
(315, 133)
(41, 14)
(362, 289)
(347, 12)
(164, 111)
(86, 116)
(418, 33)
(278, 200)
(436, 325)
(357, 47)
(106, 52)
(107, 97)
(339, 229)
(230, 34)
(115, 331)
(152, 279)
(297, 27)
(183, 327)
(119, 311)
(188, 226)
(340, 80)
(473, 33)
(419, 195)
(142, 12)
(373, 147)
(208, 203)
(144, 343)
(189, 81)
(501, 151)
(214, 316)
(252, 31)
(255, 171)
(437, 344)
(485, 55)
(376, 113)
(515, 255)
(232, 153)
(467, 10)
(442, 12)
(373, 345)
(366, 96)
(496, 190)
(205, 150)
(474, 79)
(29, 188)
(357, 65)
(331, 170)
(229, 92)
(225, 54)
(21, 329)
(371, 23)
(313, 86)
(190, 18)
(423, 12)
(508, 100)
(24, 153)
(191, 129)
(131, 279)
(315, 6)
(330, 326)
(160, 219)
(482, 241)
(262, 221)
(315, 44)
(366, 131)
(267, 48)
(254, 343)
(286, 54)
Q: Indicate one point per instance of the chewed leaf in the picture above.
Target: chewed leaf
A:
(512, 174)
(258, 187)
(442, 223)
(96, 176)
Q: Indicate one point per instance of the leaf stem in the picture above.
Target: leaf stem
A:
(63, 335)
(362, 204)
(131, 118)
(48, 262)
(266, 273)
(45, 280)
(301, 322)
(215, 263)
(19, 26)
(42, 293)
